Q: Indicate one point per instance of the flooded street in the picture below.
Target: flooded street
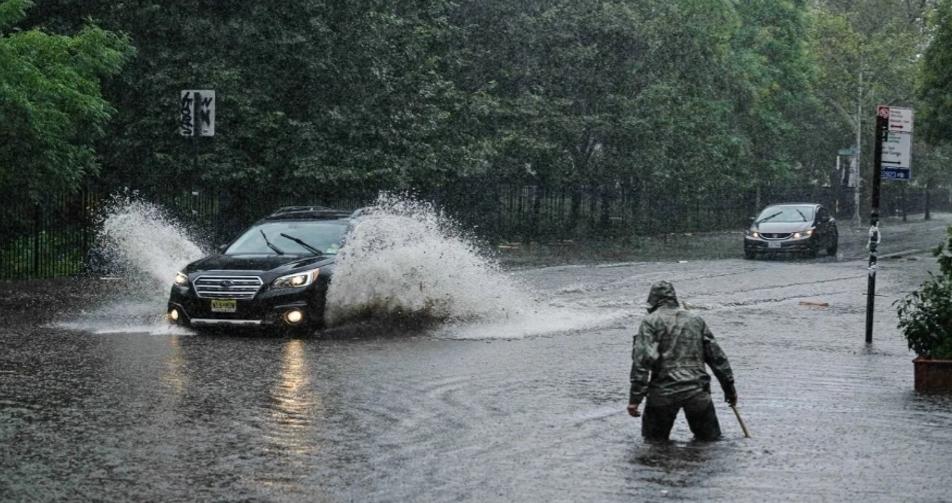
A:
(490, 412)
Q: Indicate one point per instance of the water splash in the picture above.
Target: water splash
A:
(141, 242)
(406, 260)
(144, 247)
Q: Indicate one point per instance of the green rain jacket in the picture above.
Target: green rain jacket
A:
(673, 345)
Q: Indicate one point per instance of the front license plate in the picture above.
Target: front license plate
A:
(224, 305)
(773, 244)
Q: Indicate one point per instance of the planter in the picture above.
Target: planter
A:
(933, 375)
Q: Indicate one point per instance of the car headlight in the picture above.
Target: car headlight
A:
(803, 234)
(296, 280)
(181, 279)
(753, 234)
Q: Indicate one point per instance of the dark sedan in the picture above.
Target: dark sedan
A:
(792, 228)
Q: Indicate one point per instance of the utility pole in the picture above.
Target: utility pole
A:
(882, 124)
(859, 149)
(196, 129)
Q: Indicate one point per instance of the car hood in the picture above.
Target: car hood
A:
(269, 263)
(781, 227)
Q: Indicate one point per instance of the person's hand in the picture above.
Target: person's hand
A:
(633, 410)
(730, 396)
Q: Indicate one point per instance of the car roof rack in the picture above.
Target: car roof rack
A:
(292, 212)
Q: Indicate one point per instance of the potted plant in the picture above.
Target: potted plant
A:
(925, 318)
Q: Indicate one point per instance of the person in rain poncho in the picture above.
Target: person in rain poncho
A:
(672, 346)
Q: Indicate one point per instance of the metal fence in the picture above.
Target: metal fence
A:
(54, 236)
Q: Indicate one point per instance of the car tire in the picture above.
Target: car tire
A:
(749, 254)
(813, 250)
(831, 250)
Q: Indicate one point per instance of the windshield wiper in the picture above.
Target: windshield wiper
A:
(269, 243)
(301, 242)
(769, 217)
(804, 217)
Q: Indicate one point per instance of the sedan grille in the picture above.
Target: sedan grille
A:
(227, 287)
(775, 235)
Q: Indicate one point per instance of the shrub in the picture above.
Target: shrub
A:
(925, 315)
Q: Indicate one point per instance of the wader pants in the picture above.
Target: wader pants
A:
(658, 418)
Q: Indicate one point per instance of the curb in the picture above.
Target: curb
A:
(904, 253)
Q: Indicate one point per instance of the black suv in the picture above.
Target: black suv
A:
(276, 273)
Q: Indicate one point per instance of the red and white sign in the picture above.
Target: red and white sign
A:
(900, 120)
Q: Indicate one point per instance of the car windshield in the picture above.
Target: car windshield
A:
(294, 238)
(786, 214)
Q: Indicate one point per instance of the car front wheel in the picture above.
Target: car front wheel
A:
(831, 250)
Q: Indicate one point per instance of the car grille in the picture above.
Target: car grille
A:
(227, 287)
(775, 235)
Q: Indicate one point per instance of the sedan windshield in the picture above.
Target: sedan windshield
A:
(295, 238)
(786, 214)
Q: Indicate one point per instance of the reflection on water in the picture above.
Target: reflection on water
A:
(292, 403)
(174, 376)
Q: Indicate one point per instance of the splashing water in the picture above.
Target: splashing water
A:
(145, 247)
(140, 241)
(405, 260)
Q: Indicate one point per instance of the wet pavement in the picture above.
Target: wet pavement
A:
(370, 412)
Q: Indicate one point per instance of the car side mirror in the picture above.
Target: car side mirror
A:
(751, 220)
(222, 248)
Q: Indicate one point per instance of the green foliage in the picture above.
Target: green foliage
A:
(925, 315)
(51, 107)
(678, 99)
(936, 86)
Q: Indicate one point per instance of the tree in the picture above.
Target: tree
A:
(867, 52)
(51, 104)
(935, 88)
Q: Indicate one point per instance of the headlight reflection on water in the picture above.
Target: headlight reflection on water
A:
(293, 405)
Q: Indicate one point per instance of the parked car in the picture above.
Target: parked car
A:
(274, 274)
(792, 228)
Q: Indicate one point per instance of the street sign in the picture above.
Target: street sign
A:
(847, 152)
(896, 156)
(900, 120)
(897, 149)
(205, 99)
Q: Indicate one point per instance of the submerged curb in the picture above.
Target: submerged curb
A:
(904, 253)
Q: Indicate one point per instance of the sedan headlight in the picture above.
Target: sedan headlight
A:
(181, 279)
(753, 233)
(296, 280)
(803, 234)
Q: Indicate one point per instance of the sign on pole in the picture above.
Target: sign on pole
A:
(896, 162)
(205, 112)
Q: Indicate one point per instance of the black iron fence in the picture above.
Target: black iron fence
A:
(54, 236)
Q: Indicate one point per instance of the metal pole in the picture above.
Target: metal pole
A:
(882, 122)
(196, 125)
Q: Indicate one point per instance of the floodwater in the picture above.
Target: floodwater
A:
(100, 403)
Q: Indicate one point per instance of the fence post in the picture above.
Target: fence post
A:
(36, 239)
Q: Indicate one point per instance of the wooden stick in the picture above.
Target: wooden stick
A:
(741, 421)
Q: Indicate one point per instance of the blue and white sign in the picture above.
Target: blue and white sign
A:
(896, 161)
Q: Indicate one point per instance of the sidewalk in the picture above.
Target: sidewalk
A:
(915, 234)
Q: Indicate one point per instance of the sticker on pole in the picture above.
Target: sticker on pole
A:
(205, 99)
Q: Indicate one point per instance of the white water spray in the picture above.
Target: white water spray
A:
(142, 243)
(144, 248)
(405, 260)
